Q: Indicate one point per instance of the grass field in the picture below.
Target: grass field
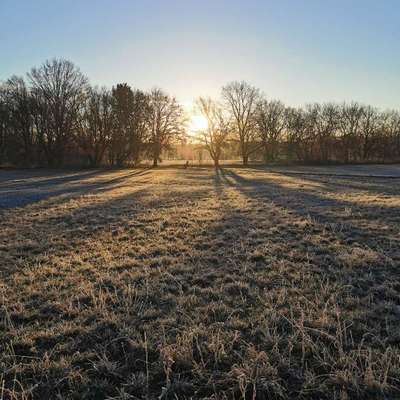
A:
(174, 283)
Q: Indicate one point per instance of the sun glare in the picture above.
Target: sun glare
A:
(197, 124)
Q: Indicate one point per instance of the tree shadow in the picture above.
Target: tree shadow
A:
(303, 200)
(373, 186)
(20, 195)
(364, 226)
(43, 177)
(354, 179)
(75, 223)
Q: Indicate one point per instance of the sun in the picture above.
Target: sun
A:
(197, 123)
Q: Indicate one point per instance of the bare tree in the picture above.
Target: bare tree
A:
(17, 101)
(58, 90)
(241, 100)
(294, 132)
(322, 127)
(139, 127)
(166, 122)
(390, 134)
(370, 127)
(214, 137)
(95, 125)
(299, 133)
(349, 126)
(4, 122)
(271, 122)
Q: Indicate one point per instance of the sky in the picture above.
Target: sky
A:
(298, 51)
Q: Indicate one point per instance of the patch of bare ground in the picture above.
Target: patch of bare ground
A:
(200, 284)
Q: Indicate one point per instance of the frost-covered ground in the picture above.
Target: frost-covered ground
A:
(21, 187)
(173, 283)
(378, 170)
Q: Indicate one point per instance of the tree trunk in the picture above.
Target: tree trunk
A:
(245, 159)
(266, 154)
(120, 162)
(155, 162)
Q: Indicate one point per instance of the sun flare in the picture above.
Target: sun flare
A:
(197, 124)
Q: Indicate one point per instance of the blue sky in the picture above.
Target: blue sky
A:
(299, 51)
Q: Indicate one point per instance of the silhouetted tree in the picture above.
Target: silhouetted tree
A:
(122, 105)
(322, 127)
(389, 138)
(271, 122)
(166, 122)
(18, 106)
(300, 134)
(4, 117)
(349, 127)
(140, 132)
(58, 91)
(130, 110)
(294, 132)
(370, 130)
(214, 137)
(95, 125)
(241, 100)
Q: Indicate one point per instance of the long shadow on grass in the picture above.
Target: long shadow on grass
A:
(312, 203)
(77, 222)
(315, 251)
(325, 214)
(25, 194)
(372, 186)
(37, 178)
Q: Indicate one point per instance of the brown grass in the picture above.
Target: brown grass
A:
(195, 284)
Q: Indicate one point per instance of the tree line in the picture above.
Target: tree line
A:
(54, 116)
(267, 130)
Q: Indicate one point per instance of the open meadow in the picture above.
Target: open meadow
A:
(176, 283)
